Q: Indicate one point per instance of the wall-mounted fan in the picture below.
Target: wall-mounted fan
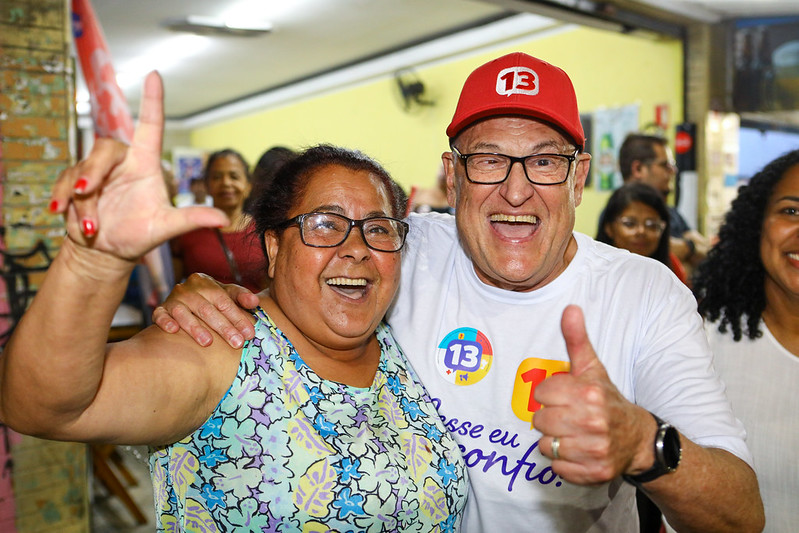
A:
(411, 89)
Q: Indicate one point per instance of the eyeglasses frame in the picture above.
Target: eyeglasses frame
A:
(513, 160)
(299, 219)
(642, 223)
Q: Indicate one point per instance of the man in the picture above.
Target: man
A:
(479, 316)
(648, 159)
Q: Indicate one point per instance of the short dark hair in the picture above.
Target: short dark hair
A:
(268, 164)
(272, 207)
(730, 282)
(638, 147)
(623, 197)
(226, 152)
(264, 172)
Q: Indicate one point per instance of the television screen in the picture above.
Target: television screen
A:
(766, 64)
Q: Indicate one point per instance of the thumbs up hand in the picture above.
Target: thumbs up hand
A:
(600, 434)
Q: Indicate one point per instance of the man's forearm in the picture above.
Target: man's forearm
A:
(711, 491)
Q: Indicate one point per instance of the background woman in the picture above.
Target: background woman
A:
(748, 292)
(636, 219)
(317, 424)
(230, 252)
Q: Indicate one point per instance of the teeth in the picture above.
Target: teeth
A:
(528, 219)
(794, 256)
(347, 281)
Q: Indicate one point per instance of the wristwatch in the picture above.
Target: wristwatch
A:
(667, 454)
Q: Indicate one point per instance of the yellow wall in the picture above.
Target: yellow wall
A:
(608, 70)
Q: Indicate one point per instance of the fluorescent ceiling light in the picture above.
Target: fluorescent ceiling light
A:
(239, 26)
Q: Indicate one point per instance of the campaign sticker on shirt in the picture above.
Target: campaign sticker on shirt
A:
(464, 356)
(531, 373)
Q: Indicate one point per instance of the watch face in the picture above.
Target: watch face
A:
(671, 448)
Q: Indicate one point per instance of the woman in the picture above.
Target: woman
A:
(748, 292)
(636, 219)
(227, 252)
(317, 424)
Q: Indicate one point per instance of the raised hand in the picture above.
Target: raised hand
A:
(601, 434)
(115, 200)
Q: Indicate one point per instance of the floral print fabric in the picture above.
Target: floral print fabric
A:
(288, 451)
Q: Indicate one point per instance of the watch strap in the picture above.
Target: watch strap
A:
(659, 468)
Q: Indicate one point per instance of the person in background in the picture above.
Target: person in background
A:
(648, 159)
(570, 372)
(748, 293)
(264, 170)
(199, 194)
(636, 219)
(433, 199)
(230, 252)
(318, 424)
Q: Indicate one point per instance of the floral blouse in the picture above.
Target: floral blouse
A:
(286, 450)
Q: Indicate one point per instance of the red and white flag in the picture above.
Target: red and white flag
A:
(110, 111)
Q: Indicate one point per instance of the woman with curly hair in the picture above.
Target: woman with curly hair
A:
(748, 292)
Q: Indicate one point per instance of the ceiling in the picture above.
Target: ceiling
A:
(340, 41)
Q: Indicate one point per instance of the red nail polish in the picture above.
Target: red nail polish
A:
(80, 185)
(53, 207)
(89, 229)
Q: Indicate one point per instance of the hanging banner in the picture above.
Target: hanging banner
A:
(110, 112)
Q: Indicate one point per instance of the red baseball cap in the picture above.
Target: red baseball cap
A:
(519, 84)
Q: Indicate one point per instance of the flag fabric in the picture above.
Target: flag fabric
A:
(109, 108)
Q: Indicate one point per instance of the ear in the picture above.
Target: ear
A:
(580, 175)
(271, 243)
(608, 227)
(637, 170)
(448, 158)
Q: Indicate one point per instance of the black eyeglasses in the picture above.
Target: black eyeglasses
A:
(326, 230)
(540, 169)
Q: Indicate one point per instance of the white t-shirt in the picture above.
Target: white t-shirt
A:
(762, 381)
(480, 350)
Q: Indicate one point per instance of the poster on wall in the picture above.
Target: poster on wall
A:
(187, 163)
(609, 128)
(765, 64)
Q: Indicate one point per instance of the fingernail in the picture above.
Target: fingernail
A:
(53, 207)
(237, 341)
(205, 340)
(89, 229)
(80, 185)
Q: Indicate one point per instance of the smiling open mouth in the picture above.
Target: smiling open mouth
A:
(350, 287)
(514, 227)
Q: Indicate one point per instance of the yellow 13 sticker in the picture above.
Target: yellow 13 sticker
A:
(531, 372)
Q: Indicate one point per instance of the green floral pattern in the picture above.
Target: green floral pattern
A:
(288, 451)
